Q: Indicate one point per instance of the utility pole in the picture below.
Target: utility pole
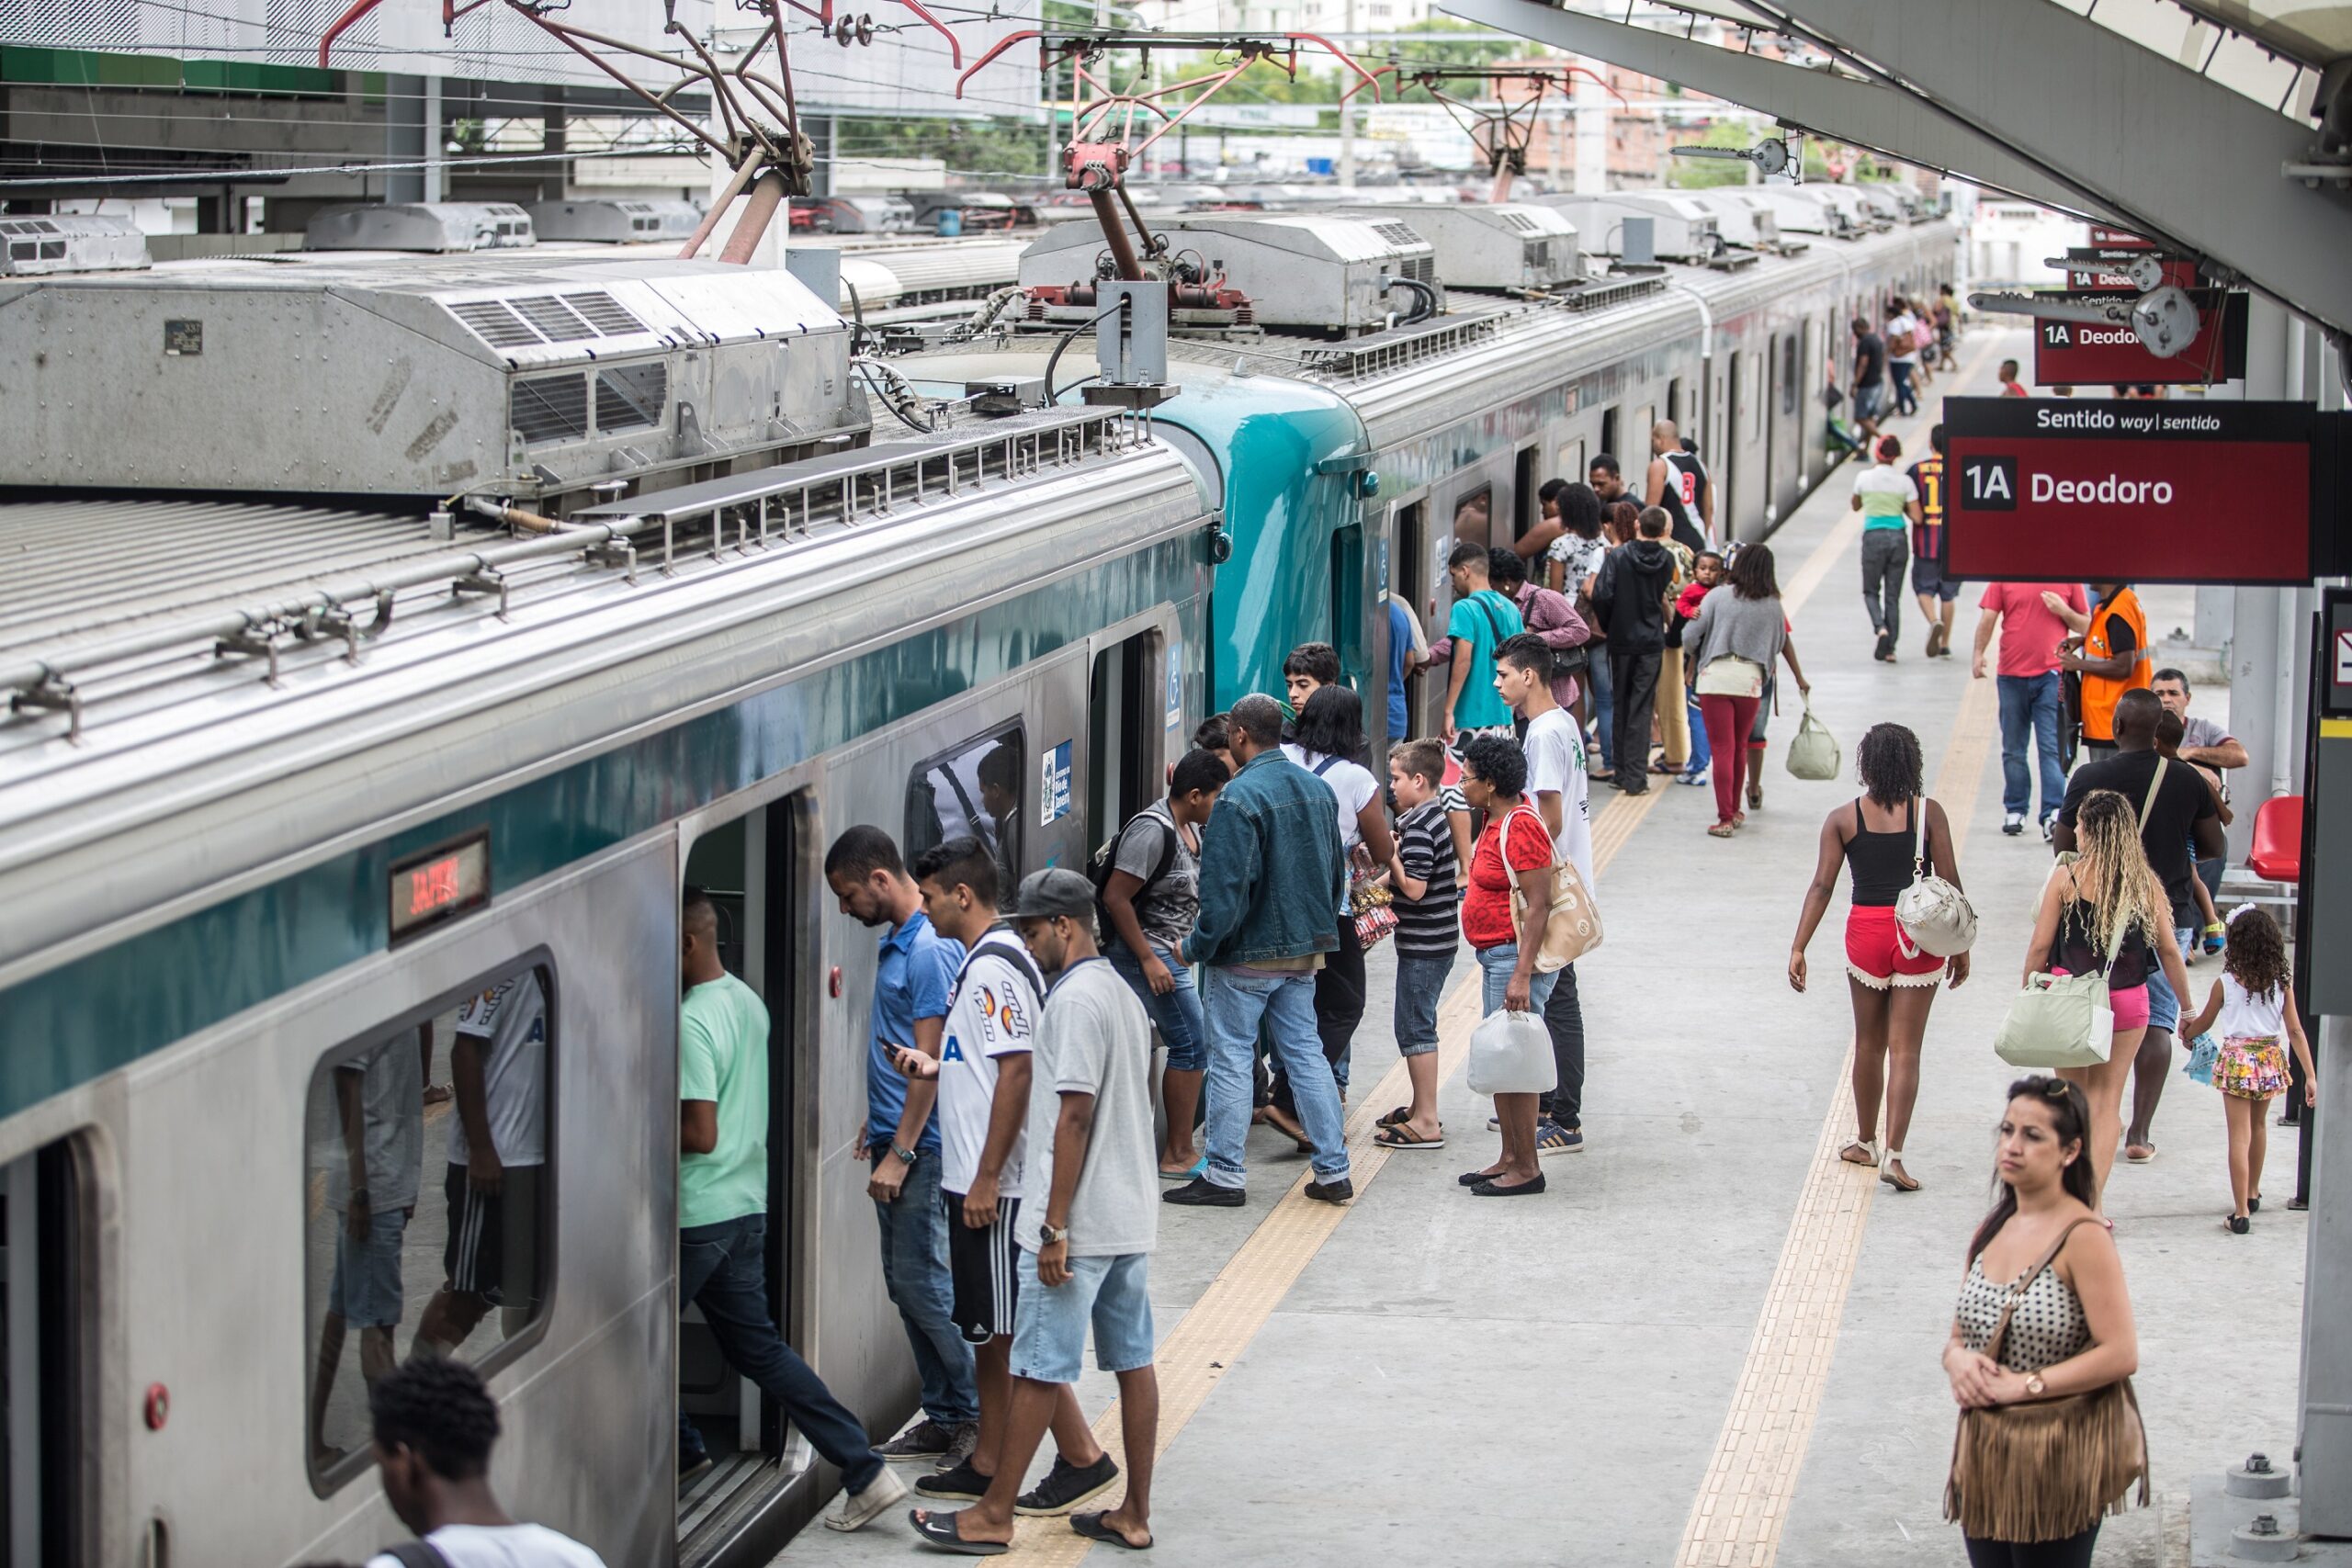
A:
(1348, 114)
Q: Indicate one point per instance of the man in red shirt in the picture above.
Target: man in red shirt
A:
(2010, 386)
(2032, 700)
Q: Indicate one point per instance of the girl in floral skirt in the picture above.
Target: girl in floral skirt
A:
(2255, 1004)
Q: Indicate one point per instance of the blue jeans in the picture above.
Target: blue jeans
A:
(1905, 403)
(2030, 709)
(1495, 963)
(914, 1273)
(1701, 754)
(1421, 982)
(1233, 1002)
(1604, 702)
(722, 1269)
(1177, 1015)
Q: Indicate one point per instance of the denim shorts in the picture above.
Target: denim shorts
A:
(1420, 984)
(1182, 1027)
(1050, 1322)
(366, 1290)
(2164, 1008)
(1496, 963)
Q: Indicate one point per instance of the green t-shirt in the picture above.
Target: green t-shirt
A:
(1485, 620)
(723, 1057)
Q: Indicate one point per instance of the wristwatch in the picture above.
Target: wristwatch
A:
(906, 1157)
(2034, 1385)
(1048, 1235)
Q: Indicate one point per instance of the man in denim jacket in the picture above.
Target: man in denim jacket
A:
(1271, 877)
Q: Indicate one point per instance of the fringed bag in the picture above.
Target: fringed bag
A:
(2046, 1469)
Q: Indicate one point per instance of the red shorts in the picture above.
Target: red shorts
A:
(1878, 954)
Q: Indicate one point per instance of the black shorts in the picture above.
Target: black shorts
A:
(493, 1247)
(1930, 580)
(983, 1265)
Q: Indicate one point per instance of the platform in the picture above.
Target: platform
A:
(1708, 1342)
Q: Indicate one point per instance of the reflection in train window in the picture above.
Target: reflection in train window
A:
(426, 1199)
(974, 789)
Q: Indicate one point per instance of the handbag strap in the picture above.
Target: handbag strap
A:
(2016, 1291)
(1918, 837)
(2155, 780)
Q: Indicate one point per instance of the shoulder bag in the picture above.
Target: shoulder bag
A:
(1572, 927)
(1934, 915)
(2062, 1021)
(2045, 1469)
(1814, 753)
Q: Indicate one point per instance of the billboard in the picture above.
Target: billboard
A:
(2142, 491)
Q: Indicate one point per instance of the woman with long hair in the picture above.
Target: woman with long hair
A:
(2109, 900)
(1740, 635)
(2043, 1278)
(1515, 849)
(1892, 982)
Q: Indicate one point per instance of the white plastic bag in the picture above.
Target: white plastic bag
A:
(1510, 1053)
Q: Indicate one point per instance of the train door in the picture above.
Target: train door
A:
(1416, 574)
(756, 871)
(1527, 507)
(44, 1334)
(1774, 419)
(1729, 469)
(1124, 719)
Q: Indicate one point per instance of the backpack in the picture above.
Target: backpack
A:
(1100, 865)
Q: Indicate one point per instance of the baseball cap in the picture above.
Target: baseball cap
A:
(1056, 890)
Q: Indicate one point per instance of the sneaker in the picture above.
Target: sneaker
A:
(2014, 823)
(959, 1480)
(1550, 1138)
(1337, 1191)
(1494, 1124)
(962, 1439)
(1066, 1486)
(854, 1510)
(691, 1471)
(1202, 1194)
(926, 1440)
(2046, 823)
(1886, 646)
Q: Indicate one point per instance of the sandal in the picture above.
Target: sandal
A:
(1754, 796)
(1289, 1127)
(1397, 1135)
(1895, 1176)
(938, 1529)
(1402, 1114)
(1722, 830)
(1094, 1526)
(1869, 1147)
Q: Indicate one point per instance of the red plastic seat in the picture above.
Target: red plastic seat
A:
(2276, 854)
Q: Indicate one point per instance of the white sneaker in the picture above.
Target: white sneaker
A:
(854, 1510)
(2013, 824)
(2045, 828)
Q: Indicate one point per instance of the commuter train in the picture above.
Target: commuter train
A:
(388, 642)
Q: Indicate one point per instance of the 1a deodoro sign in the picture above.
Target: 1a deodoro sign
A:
(2072, 490)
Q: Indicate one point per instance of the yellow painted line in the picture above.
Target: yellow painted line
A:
(1752, 1476)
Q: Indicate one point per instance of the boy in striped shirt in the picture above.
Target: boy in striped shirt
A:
(1426, 887)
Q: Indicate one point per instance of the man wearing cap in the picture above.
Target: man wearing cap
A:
(1272, 876)
(1092, 1169)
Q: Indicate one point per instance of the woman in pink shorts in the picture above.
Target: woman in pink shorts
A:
(2109, 887)
(1893, 982)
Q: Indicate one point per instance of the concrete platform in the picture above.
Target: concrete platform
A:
(1707, 1342)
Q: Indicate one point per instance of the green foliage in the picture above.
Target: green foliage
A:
(995, 145)
(1705, 174)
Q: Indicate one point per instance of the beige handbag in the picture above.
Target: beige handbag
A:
(1572, 927)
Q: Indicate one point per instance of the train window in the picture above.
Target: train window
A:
(1571, 461)
(1789, 374)
(975, 789)
(46, 1255)
(1674, 403)
(1648, 412)
(1609, 433)
(426, 1224)
(1473, 517)
(1760, 366)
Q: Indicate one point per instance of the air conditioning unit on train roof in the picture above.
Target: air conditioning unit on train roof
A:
(1744, 216)
(1801, 209)
(538, 377)
(1479, 246)
(595, 219)
(1682, 229)
(1301, 271)
(73, 242)
(420, 226)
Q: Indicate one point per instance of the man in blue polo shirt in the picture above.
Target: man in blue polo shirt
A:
(913, 977)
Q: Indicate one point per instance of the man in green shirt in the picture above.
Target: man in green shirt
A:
(1481, 622)
(722, 1221)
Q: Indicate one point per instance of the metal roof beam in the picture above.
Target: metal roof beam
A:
(1870, 114)
(2175, 155)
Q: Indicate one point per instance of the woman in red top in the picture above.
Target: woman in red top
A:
(1494, 777)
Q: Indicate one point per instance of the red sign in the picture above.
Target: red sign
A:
(2119, 239)
(439, 885)
(2070, 489)
(2094, 353)
(2088, 277)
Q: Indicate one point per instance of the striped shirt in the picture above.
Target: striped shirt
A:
(1428, 925)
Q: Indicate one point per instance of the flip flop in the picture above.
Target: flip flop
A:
(1399, 1136)
(939, 1529)
(1091, 1527)
(1402, 1114)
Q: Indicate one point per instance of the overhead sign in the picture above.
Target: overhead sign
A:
(2089, 270)
(2076, 490)
(2118, 239)
(2093, 354)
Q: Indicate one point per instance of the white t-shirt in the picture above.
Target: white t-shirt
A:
(991, 1014)
(1903, 324)
(1555, 749)
(1351, 782)
(1885, 490)
(391, 1117)
(501, 1546)
(512, 1016)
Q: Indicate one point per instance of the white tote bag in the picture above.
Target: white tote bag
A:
(1510, 1053)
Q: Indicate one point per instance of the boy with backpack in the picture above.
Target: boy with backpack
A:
(1148, 890)
(1425, 889)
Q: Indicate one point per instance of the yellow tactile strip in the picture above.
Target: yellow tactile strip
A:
(1750, 1480)
(1199, 1350)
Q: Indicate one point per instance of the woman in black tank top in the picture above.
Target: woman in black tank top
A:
(1892, 982)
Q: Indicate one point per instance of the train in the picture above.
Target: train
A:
(392, 639)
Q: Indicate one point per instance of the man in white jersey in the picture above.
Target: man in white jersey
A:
(435, 1424)
(1678, 482)
(983, 1072)
(498, 1143)
(1556, 782)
